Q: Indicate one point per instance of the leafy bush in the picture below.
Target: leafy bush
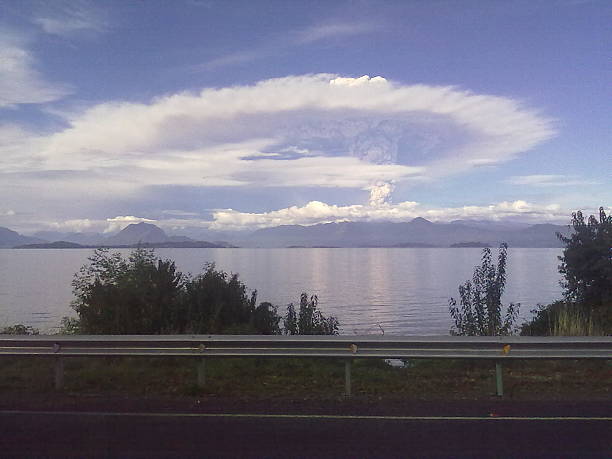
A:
(19, 329)
(586, 265)
(215, 302)
(265, 319)
(69, 326)
(481, 309)
(145, 295)
(118, 296)
(309, 320)
(541, 324)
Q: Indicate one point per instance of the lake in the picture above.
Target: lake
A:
(396, 290)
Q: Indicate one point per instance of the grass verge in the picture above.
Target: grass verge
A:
(312, 378)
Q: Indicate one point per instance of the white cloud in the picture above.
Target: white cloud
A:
(319, 212)
(543, 180)
(66, 18)
(218, 133)
(20, 82)
(362, 80)
(179, 213)
(7, 213)
(300, 131)
(300, 37)
(320, 32)
(237, 58)
(77, 225)
(315, 212)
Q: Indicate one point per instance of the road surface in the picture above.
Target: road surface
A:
(561, 431)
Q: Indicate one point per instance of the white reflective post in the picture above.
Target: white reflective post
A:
(499, 379)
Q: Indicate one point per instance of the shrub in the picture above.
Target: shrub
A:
(146, 295)
(265, 319)
(118, 296)
(481, 309)
(69, 326)
(541, 324)
(586, 265)
(19, 329)
(215, 302)
(309, 320)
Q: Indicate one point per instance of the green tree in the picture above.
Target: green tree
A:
(118, 296)
(586, 264)
(308, 320)
(146, 295)
(215, 302)
(143, 294)
(481, 312)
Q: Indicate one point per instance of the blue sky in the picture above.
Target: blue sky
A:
(238, 115)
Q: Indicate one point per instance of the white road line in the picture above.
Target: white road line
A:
(308, 416)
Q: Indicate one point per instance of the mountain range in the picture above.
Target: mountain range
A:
(416, 233)
(137, 234)
(10, 238)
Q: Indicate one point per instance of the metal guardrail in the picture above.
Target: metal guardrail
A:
(342, 346)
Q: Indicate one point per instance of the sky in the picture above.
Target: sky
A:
(231, 115)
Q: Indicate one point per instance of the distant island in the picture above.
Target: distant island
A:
(460, 245)
(413, 245)
(313, 247)
(51, 245)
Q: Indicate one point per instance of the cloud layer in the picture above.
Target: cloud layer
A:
(355, 131)
(320, 212)
(548, 180)
(315, 212)
(296, 132)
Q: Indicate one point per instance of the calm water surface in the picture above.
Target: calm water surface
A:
(401, 291)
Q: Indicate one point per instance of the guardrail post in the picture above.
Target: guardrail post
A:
(201, 372)
(59, 373)
(347, 377)
(499, 379)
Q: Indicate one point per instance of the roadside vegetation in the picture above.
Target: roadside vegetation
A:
(586, 308)
(586, 266)
(481, 312)
(19, 329)
(146, 295)
(307, 379)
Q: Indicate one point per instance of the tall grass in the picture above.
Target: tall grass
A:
(563, 319)
(573, 321)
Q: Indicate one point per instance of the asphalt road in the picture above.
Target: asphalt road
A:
(170, 434)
